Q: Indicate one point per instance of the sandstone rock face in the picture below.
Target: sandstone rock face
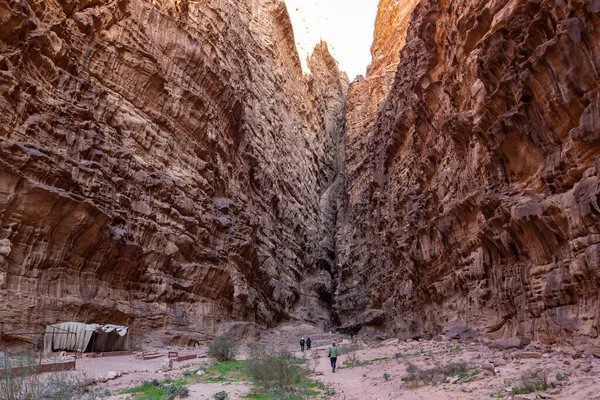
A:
(164, 164)
(473, 198)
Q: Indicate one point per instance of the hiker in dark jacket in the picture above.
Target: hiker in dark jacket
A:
(333, 355)
(308, 343)
(302, 343)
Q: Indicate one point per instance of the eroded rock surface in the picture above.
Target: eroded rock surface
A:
(473, 197)
(163, 164)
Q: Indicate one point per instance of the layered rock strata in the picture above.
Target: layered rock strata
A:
(473, 201)
(163, 165)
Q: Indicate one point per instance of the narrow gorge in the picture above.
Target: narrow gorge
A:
(168, 165)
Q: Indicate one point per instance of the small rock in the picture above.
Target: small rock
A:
(531, 396)
(200, 372)
(438, 379)
(499, 362)
(112, 375)
(555, 383)
(452, 381)
(544, 395)
(465, 389)
(474, 378)
(586, 368)
(556, 390)
(527, 354)
(487, 367)
(167, 364)
(504, 344)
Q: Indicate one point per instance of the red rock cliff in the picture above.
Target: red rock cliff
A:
(163, 164)
(473, 199)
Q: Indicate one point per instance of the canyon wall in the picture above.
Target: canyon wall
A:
(164, 165)
(473, 188)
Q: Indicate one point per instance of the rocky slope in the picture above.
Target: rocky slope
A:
(473, 197)
(163, 164)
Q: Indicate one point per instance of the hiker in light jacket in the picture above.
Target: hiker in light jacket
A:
(333, 355)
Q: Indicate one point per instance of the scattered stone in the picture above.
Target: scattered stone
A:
(544, 395)
(555, 391)
(200, 372)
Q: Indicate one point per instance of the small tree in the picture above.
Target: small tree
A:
(223, 349)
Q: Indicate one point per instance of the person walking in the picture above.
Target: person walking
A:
(308, 343)
(302, 343)
(333, 355)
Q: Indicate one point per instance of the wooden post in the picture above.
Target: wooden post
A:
(42, 349)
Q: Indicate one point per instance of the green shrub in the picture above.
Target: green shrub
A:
(222, 395)
(386, 376)
(173, 391)
(223, 349)
(275, 370)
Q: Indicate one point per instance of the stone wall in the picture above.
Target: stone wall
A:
(473, 198)
(162, 164)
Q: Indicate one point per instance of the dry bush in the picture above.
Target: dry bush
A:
(530, 381)
(223, 349)
(33, 385)
(352, 358)
(416, 374)
(347, 349)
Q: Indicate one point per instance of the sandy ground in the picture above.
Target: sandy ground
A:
(367, 381)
